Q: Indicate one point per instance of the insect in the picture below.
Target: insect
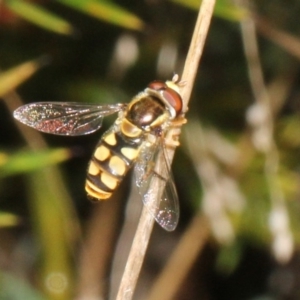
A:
(138, 137)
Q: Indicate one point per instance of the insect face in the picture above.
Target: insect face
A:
(168, 92)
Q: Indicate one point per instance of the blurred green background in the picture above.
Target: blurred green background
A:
(236, 171)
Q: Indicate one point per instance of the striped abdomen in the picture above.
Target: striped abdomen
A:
(113, 157)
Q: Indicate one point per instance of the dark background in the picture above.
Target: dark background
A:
(82, 68)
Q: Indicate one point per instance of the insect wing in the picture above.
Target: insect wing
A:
(156, 185)
(65, 118)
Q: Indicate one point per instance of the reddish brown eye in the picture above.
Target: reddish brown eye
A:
(174, 99)
(157, 85)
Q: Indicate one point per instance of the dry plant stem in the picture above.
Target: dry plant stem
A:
(136, 256)
(179, 264)
(271, 152)
(132, 216)
(286, 41)
(141, 239)
(196, 49)
(252, 56)
(97, 251)
(261, 96)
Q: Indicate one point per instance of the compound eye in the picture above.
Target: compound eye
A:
(157, 85)
(174, 99)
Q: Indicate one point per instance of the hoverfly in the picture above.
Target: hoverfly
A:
(138, 137)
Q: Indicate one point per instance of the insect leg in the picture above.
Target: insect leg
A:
(172, 136)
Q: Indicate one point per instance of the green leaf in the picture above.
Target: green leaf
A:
(7, 219)
(23, 162)
(56, 228)
(223, 9)
(106, 11)
(10, 79)
(39, 16)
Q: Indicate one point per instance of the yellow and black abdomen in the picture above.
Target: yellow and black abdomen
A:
(113, 157)
(119, 147)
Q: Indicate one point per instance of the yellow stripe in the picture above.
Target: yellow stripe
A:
(130, 153)
(95, 192)
(108, 180)
(110, 139)
(93, 169)
(102, 153)
(130, 129)
(117, 165)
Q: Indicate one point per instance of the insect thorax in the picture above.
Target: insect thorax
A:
(146, 112)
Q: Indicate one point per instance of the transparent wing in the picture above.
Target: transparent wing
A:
(65, 118)
(156, 185)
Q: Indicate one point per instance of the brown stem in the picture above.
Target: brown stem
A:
(141, 239)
